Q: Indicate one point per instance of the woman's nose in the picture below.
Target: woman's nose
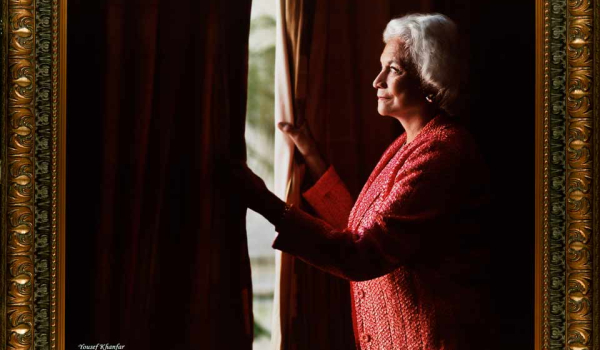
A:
(379, 82)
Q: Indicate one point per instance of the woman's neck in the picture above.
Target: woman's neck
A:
(415, 122)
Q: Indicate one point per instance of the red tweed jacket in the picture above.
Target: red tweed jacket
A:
(404, 244)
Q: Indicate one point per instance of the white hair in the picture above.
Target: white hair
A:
(431, 43)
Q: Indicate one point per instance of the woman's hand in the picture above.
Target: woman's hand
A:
(306, 146)
(301, 137)
(254, 192)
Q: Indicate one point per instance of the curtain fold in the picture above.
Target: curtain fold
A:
(327, 57)
(172, 263)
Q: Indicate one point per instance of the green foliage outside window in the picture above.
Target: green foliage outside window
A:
(261, 96)
(260, 138)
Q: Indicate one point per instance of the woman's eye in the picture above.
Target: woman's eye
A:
(395, 70)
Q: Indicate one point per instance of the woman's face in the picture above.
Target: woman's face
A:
(398, 87)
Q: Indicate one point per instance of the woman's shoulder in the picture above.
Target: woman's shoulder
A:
(446, 147)
(448, 135)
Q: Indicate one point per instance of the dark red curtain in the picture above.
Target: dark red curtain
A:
(168, 250)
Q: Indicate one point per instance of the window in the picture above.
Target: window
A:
(260, 138)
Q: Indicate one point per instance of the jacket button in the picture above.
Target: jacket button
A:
(361, 293)
(366, 338)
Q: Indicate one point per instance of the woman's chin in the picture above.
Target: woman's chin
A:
(382, 111)
(385, 110)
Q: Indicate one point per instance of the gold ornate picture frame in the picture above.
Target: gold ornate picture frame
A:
(567, 251)
(32, 173)
(33, 159)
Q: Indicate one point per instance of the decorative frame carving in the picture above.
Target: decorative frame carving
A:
(580, 164)
(33, 118)
(32, 174)
(566, 165)
(20, 131)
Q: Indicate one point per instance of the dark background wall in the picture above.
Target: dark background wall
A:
(498, 107)
(86, 55)
(499, 61)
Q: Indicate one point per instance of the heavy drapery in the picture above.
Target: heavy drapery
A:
(168, 253)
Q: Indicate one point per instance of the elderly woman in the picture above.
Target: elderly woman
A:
(406, 244)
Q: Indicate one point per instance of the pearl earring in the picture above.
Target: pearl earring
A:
(429, 98)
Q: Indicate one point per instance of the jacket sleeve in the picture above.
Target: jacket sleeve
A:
(409, 226)
(330, 198)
